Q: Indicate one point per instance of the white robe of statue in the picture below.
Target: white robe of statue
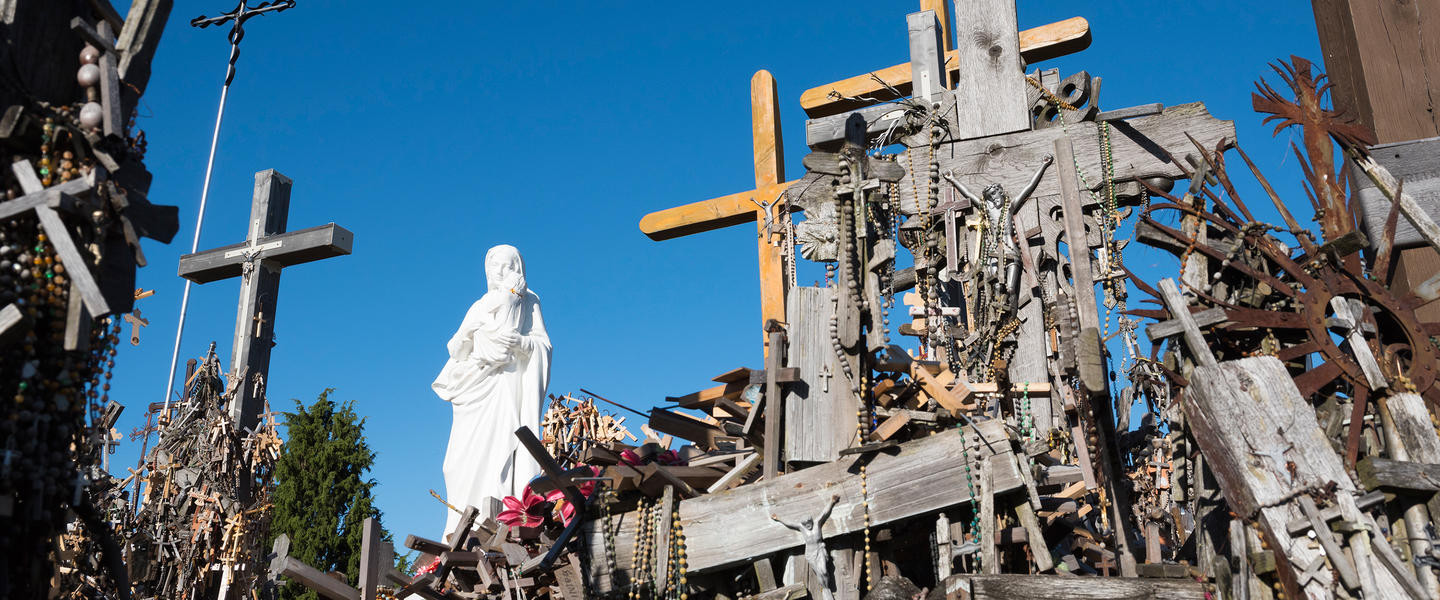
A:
(495, 380)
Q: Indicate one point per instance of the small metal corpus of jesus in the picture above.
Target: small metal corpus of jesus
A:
(1004, 262)
(815, 553)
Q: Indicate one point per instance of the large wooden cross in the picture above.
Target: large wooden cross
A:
(257, 262)
(760, 205)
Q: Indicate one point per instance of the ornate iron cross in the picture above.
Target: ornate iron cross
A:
(242, 13)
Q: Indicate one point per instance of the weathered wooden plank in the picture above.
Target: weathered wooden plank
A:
(312, 578)
(820, 406)
(1389, 188)
(1377, 473)
(1036, 44)
(926, 50)
(374, 558)
(1262, 442)
(774, 411)
(1038, 587)
(991, 83)
(1180, 310)
(706, 398)
(1204, 318)
(285, 249)
(922, 477)
(1139, 148)
(139, 39)
(76, 266)
(114, 120)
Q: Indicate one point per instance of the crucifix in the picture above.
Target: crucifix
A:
(257, 261)
(756, 205)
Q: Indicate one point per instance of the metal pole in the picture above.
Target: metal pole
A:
(195, 244)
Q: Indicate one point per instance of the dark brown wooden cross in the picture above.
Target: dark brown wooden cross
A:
(257, 261)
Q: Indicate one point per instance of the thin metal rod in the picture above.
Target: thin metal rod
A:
(195, 245)
(598, 397)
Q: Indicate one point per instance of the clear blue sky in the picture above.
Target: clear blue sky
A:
(434, 130)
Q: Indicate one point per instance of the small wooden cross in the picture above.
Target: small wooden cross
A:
(755, 205)
(257, 261)
(136, 322)
(826, 374)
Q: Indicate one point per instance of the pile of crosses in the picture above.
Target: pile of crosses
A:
(1275, 442)
(72, 214)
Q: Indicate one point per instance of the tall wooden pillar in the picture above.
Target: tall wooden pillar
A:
(1384, 59)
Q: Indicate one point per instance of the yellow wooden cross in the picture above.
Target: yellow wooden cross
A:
(757, 205)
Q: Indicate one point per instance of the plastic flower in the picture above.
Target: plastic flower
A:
(430, 568)
(564, 510)
(523, 511)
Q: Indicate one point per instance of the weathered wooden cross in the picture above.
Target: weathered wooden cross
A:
(756, 205)
(257, 261)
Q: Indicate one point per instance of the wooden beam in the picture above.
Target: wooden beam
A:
(139, 39)
(769, 150)
(924, 476)
(708, 215)
(991, 83)
(13, 325)
(1036, 44)
(1010, 587)
(1378, 473)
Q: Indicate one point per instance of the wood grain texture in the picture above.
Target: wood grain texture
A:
(1048, 587)
(1139, 148)
(1384, 58)
(819, 410)
(991, 88)
(1251, 422)
(299, 247)
(769, 170)
(1036, 44)
(927, 70)
(926, 475)
(1417, 163)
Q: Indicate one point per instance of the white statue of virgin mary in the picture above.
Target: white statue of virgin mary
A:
(495, 379)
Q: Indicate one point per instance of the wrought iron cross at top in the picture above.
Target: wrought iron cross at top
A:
(242, 13)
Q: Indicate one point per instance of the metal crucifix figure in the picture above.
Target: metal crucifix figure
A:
(242, 13)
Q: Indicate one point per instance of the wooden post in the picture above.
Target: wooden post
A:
(1383, 57)
(257, 261)
(774, 412)
(991, 85)
(926, 54)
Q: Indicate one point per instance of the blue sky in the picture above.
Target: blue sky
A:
(435, 130)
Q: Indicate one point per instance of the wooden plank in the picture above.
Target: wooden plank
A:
(373, 558)
(926, 50)
(662, 533)
(924, 476)
(75, 265)
(685, 426)
(312, 578)
(706, 398)
(890, 426)
(1261, 440)
(139, 39)
(1139, 148)
(1378, 473)
(773, 410)
(942, 11)
(1036, 44)
(1180, 310)
(1204, 318)
(114, 121)
(708, 215)
(769, 153)
(1389, 188)
(1014, 587)
(819, 410)
(989, 555)
(1380, 55)
(296, 247)
(77, 322)
(1417, 163)
(734, 475)
(991, 85)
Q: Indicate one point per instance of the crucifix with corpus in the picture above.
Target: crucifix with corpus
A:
(257, 261)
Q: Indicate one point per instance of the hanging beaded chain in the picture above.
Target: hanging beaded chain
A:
(644, 550)
(975, 532)
(611, 526)
(677, 585)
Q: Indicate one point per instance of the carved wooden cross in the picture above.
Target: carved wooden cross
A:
(755, 205)
(257, 262)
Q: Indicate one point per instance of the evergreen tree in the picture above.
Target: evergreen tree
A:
(322, 495)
